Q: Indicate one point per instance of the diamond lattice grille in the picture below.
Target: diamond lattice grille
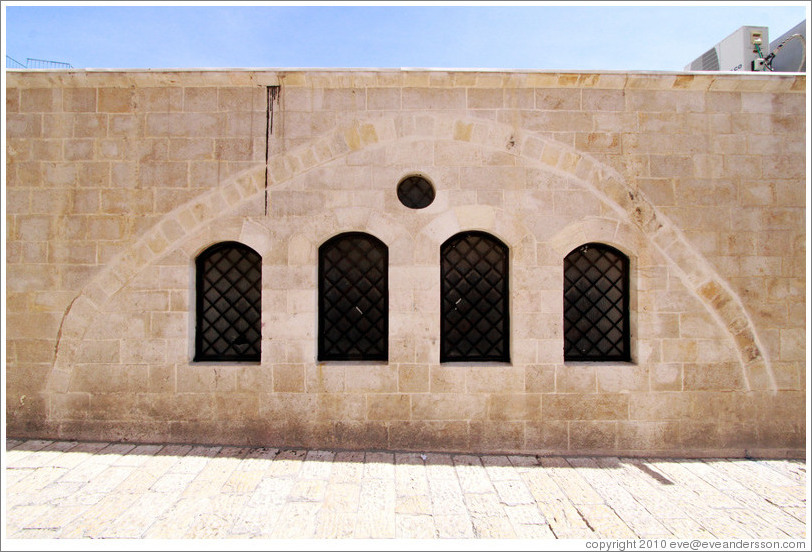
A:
(229, 297)
(596, 315)
(353, 298)
(416, 192)
(475, 313)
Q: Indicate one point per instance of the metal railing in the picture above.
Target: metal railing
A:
(34, 63)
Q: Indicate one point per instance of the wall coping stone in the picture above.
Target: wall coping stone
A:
(723, 81)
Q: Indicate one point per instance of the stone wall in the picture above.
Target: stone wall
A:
(116, 181)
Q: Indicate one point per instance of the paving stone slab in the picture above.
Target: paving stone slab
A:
(64, 489)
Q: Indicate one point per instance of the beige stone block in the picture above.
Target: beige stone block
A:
(160, 378)
(185, 407)
(160, 174)
(623, 378)
(648, 436)
(112, 406)
(557, 121)
(233, 149)
(238, 99)
(496, 436)
(160, 98)
(288, 378)
(592, 407)
(447, 379)
(494, 379)
(558, 99)
(183, 124)
(788, 375)
(200, 99)
(603, 142)
(717, 376)
(781, 434)
(69, 406)
(100, 352)
(546, 435)
(666, 377)
(453, 154)
(448, 407)
(426, 435)
(519, 98)
(79, 99)
(383, 98)
(572, 378)
(699, 435)
(339, 99)
(793, 345)
(33, 228)
(414, 378)
(116, 100)
(726, 102)
(659, 406)
(476, 216)
(723, 407)
(24, 125)
(371, 379)
(38, 100)
(199, 378)
(31, 325)
(323, 378)
(593, 436)
(99, 378)
(12, 99)
(388, 407)
(433, 98)
(681, 350)
(539, 379)
(603, 100)
(485, 98)
(183, 149)
(47, 150)
(282, 406)
(340, 407)
(236, 406)
(355, 435)
(31, 350)
(168, 325)
(77, 150)
(296, 99)
(514, 406)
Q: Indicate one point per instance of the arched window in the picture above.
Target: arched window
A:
(596, 304)
(475, 310)
(353, 298)
(229, 297)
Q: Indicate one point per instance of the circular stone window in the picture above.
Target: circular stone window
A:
(415, 192)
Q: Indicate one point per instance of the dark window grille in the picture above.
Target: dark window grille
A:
(596, 304)
(229, 297)
(475, 309)
(353, 298)
(415, 192)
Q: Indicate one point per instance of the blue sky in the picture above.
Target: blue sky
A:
(526, 35)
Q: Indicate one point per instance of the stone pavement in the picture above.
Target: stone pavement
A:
(59, 489)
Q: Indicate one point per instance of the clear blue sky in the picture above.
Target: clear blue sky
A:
(526, 35)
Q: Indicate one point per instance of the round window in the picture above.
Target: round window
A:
(415, 192)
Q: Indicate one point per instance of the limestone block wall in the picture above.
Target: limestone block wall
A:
(117, 181)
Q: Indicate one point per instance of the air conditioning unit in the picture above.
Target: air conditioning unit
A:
(735, 53)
